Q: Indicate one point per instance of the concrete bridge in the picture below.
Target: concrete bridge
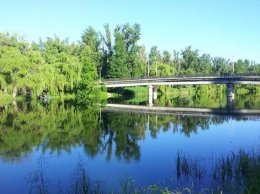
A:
(153, 82)
(252, 114)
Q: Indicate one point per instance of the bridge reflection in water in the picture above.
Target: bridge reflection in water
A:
(252, 114)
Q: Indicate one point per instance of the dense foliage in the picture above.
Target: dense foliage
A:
(58, 67)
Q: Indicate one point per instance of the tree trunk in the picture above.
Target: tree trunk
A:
(14, 92)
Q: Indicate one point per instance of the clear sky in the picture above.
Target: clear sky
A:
(226, 28)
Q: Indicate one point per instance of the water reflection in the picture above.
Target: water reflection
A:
(112, 134)
(61, 126)
(198, 99)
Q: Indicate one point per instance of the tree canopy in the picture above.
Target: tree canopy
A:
(59, 67)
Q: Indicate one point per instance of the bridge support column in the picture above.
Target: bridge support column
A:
(230, 92)
(154, 92)
(230, 95)
(150, 95)
(154, 95)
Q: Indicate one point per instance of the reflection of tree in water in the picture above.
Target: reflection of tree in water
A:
(125, 133)
(63, 126)
(191, 124)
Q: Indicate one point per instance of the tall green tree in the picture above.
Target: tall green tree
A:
(190, 62)
(154, 60)
(14, 66)
(118, 67)
(242, 66)
(124, 56)
(220, 65)
(166, 58)
(107, 50)
(90, 58)
(205, 65)
(66, 66)
(91, 38)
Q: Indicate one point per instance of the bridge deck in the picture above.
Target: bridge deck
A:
(182, 111)
(182, 81)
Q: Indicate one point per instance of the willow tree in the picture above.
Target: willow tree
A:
(13, 68)
(62, 65)
(35, 79)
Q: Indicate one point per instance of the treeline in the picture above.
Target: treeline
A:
(60, 67)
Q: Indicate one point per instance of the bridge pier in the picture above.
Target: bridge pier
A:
(152, 94)
(230, 95)
(230, 92)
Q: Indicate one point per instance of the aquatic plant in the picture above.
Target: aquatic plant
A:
(237, 172)
(37, 179)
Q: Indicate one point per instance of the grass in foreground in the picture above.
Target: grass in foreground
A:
(238, 172)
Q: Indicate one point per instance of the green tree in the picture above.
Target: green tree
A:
(205, 65)
(123, 60)
(118, 67)
(90, 58)
(14, 66)
(91, 38)
(154, 60)
(220, 65)
(242, 66)
(107, 50)
(190, 62)
(65, 67)
(166, 58)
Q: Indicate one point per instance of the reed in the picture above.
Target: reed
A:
(237, 172)
(189, 167)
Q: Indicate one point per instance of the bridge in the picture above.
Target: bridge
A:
(253, 114)
(152, 82)
(183, 80)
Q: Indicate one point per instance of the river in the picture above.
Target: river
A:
(54, 147)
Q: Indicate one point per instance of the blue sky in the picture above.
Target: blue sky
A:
(225, 28)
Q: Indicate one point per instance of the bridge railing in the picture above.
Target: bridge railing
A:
(181, 76)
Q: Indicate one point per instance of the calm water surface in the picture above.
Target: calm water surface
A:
(53, 139)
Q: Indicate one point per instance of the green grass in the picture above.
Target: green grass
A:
(136, 91)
